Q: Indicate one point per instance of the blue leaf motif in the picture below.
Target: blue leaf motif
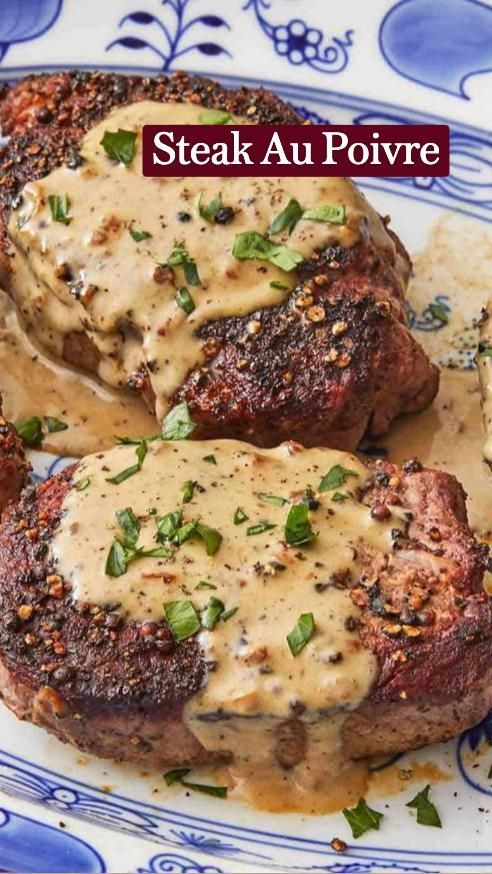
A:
(212, 21)
(140, 17)
(131, 42)
(210, 48)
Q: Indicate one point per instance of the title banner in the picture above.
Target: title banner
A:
(296, 150)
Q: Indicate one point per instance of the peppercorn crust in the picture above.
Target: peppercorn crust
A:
(333, 361)
(117, 688)
(14, 467)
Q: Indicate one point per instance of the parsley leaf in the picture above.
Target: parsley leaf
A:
(210, 458)
(188, 491)
(301, 633)
(185, 301)
(437, 311)
(333, 214)
(181, 257)
(178, 775)
(130, 525)
(182, 619)
(140, 452)
(178, 425)
(214, 116)
(54, 425)
(240, 516)
(203, 584)
(272, 499)
(361, 818)
(30, 431)
(83, 484)
(210, 210)
(212, 612)
(120, 145)
(211, 538)
(137, 235)
(124, 551)
(336, 477)
(298, 528)
(259, 528)
(60, 208)
(426, 812)
(252, 246)
(287, 219)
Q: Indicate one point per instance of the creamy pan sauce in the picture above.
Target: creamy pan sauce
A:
(254, 685)
(91, 276)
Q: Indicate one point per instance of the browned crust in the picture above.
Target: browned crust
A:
(14, 467)
(281, 382)
(90, 678)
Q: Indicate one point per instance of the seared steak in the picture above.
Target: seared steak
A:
(13, 465)
(117, 687)
(331, 361)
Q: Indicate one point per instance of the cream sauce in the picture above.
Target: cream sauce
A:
(484, 364)
(113, 295)
(31, 384)
(255, 684)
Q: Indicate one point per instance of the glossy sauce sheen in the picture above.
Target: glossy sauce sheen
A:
(256, 682)
(113, 294)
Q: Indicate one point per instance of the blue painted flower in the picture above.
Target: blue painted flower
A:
(296, 40)
(23, 20)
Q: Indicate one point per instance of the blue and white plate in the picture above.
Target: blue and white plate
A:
(432, 61)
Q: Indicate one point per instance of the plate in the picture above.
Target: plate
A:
(330, 71)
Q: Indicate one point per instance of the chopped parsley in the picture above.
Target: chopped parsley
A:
(252, 246)
(210, 210)
(178, 775)
(362, 818)
(438, 312)
(287, 219)
(333, 214)
(180, 257)
(426, 812)
(188, 491)
(240, 516)
(485, 351)
(54, 425)
(124, 549)
(30, 431)
(211, 538)
(83, 484)
(137, 235)
(301, 634)
(182, 618)
(120, 145)
(60, 208)
(272, 499)
(228, 613)
(203, 584)
(214, 116)
(211, 459)
(339, 497)
(178, 425)
(140, 452)
(337, 476)
(212, 612)
(279, 285)
(298, 528)
(185, 301)
(170, 528)
(259, 528)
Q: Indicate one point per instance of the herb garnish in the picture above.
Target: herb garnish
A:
(120, 145)
(361, 818)
(182, 619)
(298, 528)
(339, 497)
(252, 246)
(83, 484)
(336, 477)
(426, 812)
(279, 285)
(272, 499)
(30, 431)
(287, 219)
(228, 613)
(240, 516)
(180, 257)
(210, 210)
(210, 458)
(211, 538)
(178, 425)
(178, 775)
(203, 584)
(214, 116)
(140, 452)
(137, 235)
(485, 352)
(124, 549)
(437, 311)
(333, 214)
(60, 208)
(259, 528)
(170, 528)
(188, 491)
(54, 425)
(301, 634)
(185, 301)
(212, 612)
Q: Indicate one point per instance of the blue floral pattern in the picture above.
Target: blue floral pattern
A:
(169, 33)
(170, 863)
(24, 20)
(300, 43)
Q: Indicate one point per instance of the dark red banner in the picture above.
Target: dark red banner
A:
(295, 150)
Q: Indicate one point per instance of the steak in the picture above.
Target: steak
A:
(14, 467)
(117, 687)
(332, 361)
